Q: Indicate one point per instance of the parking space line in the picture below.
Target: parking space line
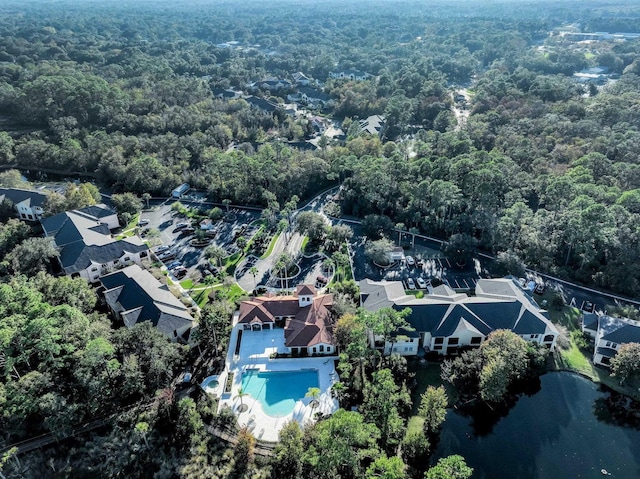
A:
(448, 263)
(439, 262)
(465, 282)
(456, 282)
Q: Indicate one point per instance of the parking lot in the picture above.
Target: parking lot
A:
(192, 258)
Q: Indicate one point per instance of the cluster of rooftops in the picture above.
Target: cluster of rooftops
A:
(441, 321)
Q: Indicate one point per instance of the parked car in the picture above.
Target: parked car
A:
(173, 265)
(540, 288)
(588, 307)
(410, 261)
(144, 222)
(419, 262)
(162, 249)
(411, 284)
(167, 255)
(422, 284)
(321, 280)
(180, 273)
(181, 226)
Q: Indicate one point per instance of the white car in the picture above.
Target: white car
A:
(410, 283)
(422, 284)
(144, 222)
(410, 261)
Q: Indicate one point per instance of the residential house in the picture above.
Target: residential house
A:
(267, 106)
(445, 321)
(301, 79)
(305, 316)
(228, 94)
(271, 85)
(311, 97)
(611, 333)
(356, 75)
(134, 296)
(86, 248)
(374, 125)
(28, 203)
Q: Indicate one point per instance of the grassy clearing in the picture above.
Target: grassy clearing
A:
(426, 374)
(304, 244)
(271, 246)
(187, 283)
(232, 261)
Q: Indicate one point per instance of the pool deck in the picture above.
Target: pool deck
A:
(255, 349)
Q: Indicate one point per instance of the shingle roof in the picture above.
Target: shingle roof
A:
(135, 294)
(618, 330)
(590, 321)
(16, 195)
(606, 352)
(373, 125)
(96, 211)
(442, 314)
(82, 241)
(312, 93)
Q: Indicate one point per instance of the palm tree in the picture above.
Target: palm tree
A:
(254, 272)
(146, 197)
(240, 395)
(226, 203)
(313, 393)
(216, 253)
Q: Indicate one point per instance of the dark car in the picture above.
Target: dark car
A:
(180, 273)
(540, 288)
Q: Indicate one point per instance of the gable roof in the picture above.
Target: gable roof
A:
(618, 330)
(442, 314)
(314, 94)
(373, 125)
(96, 212)
(262, 104)
(81, 241)
(306, 325)
(137, 296)
(30, 198)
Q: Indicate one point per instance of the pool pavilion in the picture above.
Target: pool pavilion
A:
(280, 334)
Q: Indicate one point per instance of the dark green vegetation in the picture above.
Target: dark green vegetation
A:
(544, 171)
(124, 93)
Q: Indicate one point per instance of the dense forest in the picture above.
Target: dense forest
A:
(545, 170)
(126, 94)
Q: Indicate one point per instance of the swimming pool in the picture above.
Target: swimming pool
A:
(278, 391)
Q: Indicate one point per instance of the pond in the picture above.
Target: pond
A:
(570, 428)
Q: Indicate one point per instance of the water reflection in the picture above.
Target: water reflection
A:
(565, 427)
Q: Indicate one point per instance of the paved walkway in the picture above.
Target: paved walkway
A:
(255, 350)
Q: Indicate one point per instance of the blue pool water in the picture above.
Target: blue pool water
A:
(278, 391)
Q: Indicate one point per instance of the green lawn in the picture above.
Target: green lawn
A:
(232, 261)
(271, 246)
(426, 374)
(304, 243)
(187, 284)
